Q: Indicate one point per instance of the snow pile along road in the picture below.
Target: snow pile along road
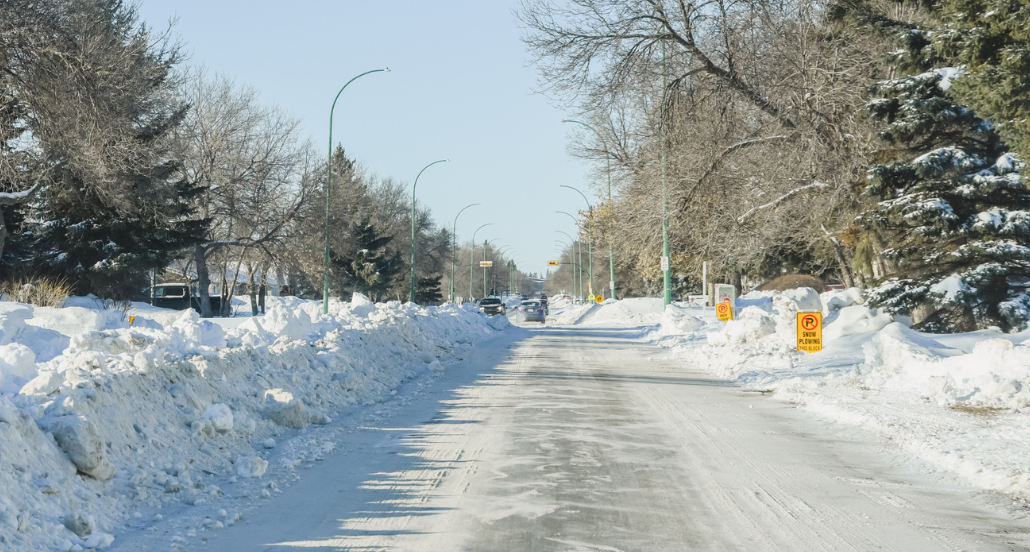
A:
(959, 401)
(624, 313)
(104, 426)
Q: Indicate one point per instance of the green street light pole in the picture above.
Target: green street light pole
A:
(500, 253)
(608, 170)
(329, 188)
(590, 241)
(486, 244)
(454, 247)
(413, 186)
(472, 255)
(574, 241)
(579, 266)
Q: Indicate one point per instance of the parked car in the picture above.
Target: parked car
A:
(178, 297)
(530, 311)
(491, 305)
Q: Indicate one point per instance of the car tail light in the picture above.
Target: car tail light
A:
(522, 308)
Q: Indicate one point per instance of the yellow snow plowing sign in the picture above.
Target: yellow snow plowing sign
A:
(724, 310)
(810, 332)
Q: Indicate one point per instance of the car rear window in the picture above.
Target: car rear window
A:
(530, 304)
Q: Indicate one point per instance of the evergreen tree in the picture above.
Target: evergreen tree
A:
(98, 101)
(990, 40)
(427, 291)
(949, 213)
(372, 267)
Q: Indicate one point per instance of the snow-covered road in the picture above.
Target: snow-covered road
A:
(586, 439)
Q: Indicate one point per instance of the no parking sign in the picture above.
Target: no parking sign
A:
(810, 332)
(724, 310)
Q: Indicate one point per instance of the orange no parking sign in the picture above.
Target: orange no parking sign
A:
(724, 310)
(810, 332)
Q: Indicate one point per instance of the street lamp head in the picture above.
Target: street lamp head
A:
(386, 69)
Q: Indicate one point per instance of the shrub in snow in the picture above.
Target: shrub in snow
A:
(78, 438)
(794, 281)
(220, 417)
(251, 466)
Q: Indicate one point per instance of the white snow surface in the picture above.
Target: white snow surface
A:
(104, 425)
(959, 402)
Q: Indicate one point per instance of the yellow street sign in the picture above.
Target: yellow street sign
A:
(599, 298)
(724, 310)
(810, 332)
(553, 263)
(486, 263)
(131, 320)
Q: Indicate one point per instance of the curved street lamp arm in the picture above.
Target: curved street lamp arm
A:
(329, 184)
(413, 186)
(578, 192)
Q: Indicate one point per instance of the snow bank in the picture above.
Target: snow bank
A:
(627, 312)
(959, 401)
(101, 419)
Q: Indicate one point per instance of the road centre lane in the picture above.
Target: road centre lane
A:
(586, 439)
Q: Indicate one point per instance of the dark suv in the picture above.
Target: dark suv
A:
(543, 303)
(491, 305)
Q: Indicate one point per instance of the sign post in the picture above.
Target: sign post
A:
(810, 332)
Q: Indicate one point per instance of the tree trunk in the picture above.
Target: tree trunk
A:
(252, 289)
(845, 269)
(3, 232)
(203, 281)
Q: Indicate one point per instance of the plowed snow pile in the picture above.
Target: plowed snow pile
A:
(959, 401)
(104, 425)
(627, 312)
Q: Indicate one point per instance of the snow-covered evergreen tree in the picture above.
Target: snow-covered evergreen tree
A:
(950, 211)
(990, 39)
(372, 267)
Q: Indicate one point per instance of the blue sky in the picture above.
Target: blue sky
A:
(460, 87)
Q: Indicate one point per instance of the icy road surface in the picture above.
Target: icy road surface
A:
(585, 439)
